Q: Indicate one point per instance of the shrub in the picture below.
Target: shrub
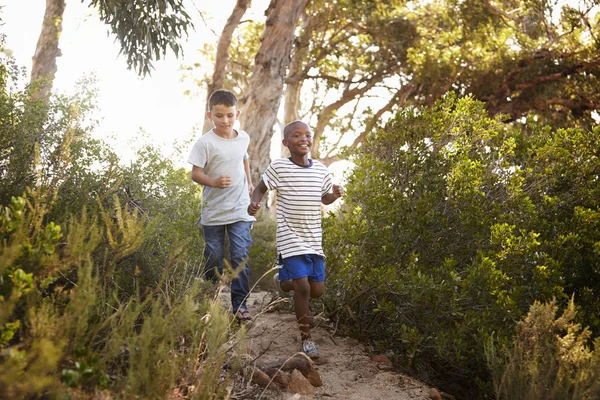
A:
(453, 225)
(263, 251)
(98, 264)
(550, 358)
(77, 331)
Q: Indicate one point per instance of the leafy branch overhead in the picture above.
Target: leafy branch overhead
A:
(145, 30)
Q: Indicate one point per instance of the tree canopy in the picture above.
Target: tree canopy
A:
(355, 63)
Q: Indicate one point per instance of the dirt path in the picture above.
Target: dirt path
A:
(347, 369)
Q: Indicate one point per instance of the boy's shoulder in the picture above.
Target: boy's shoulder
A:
(211, 136)
(279, 162)
(242, 133)
(206, 137)
(319, 164)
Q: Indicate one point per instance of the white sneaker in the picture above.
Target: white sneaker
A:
(310, 349)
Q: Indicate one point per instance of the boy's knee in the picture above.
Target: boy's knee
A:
(317, 289)
(301, 287)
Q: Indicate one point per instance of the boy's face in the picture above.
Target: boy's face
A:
(223, 117)
(299, 140)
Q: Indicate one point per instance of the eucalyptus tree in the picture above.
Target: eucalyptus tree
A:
(145, 31)
(254, 64)
(518, 57)
(222, 54)
(265, 89)
(346, 50)
(354, 63)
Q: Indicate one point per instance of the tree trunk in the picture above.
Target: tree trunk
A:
(266, 84)
(293, 83)
(223, 52)
(44, 60)
(21, 167)
(296, 76)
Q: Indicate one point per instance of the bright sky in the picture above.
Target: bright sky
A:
(127, 103)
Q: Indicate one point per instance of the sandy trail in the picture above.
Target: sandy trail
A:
(346, 367)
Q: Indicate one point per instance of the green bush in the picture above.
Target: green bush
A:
(550, 358)
(79, 332)
(263, 251)
(99, 263)
(453, 225)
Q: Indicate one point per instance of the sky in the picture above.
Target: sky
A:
(127, 103)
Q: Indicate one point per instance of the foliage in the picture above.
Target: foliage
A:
(144, 29)
(99, 265)
(168, 199)
(355, 63)
(518, 57)
(21, 118)
(550, 358)
(453, 225)
(262, 253)
(81, 332)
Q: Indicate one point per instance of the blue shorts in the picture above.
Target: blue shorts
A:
(302, 266)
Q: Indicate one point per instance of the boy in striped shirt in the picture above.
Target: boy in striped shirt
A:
(302, 185)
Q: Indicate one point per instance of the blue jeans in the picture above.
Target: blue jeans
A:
(214, 253)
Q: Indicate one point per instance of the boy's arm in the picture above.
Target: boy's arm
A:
(335, 194)
(201, 178)
(257, 196)
(248, 176)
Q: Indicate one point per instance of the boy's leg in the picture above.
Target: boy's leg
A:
(306, 274)
(286, 286)
(239, 241)
(214, 251)
(301, 288)
(316, 288)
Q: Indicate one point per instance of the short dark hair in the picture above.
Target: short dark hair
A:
(290, 127)
(222, 96)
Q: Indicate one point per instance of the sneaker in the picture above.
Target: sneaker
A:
(310, 349)
(277, 287)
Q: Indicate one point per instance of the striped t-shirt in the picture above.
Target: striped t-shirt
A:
(299, 192)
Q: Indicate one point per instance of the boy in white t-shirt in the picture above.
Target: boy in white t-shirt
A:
(220, 164)
(302, 185)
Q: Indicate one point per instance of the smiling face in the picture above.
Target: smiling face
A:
(298, 139)
(223, 117)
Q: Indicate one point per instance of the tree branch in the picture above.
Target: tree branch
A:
(222, 56)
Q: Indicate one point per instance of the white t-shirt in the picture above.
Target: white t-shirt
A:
(299, 192)
(218, 156)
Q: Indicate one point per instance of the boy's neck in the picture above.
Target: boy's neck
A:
(300, 160)
(231, 134)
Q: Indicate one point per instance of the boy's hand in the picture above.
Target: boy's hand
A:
(223, 182)
(338, 191)
(250, 189)
(253, 208)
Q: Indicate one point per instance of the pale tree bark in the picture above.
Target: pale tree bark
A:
(349, 94)
(265, 90)
(295, 78)
(222, 57)
(326, 113)
(293, 82)
(399, 98)
(21, 167)
(300, 67)
(44, 60)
